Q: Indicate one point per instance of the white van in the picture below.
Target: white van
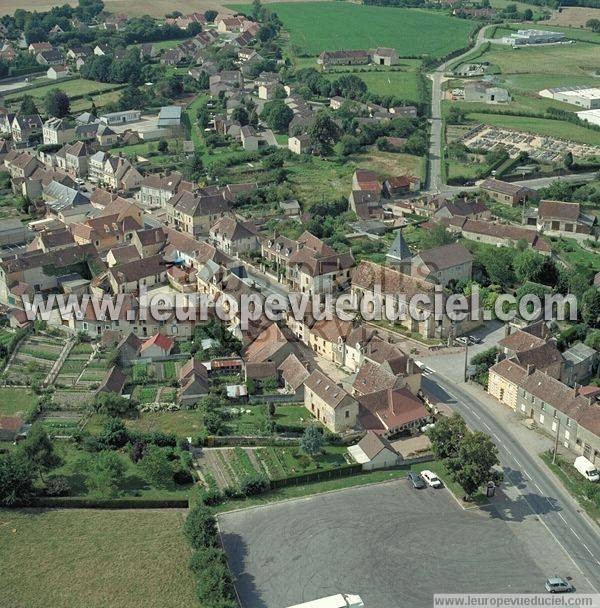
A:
(586, 468)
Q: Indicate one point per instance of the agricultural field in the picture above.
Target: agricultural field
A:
(100, 100)
(34, 359)
(94, 558)
(318, 26)
(573, 16)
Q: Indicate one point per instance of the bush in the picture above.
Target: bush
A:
(211, 497)
(182, 477)
(200, 528)
(215, 585)
(252, 485)
(57, 486)
(203, 556)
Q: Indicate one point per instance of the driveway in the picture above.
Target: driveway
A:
(391, 544)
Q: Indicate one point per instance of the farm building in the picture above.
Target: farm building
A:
(485, 92)
(526, 37)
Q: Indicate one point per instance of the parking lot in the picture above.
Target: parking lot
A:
(391, 544)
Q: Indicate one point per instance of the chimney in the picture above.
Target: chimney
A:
(410, 366)
(530, 369)
(507, 330)
(576, 389)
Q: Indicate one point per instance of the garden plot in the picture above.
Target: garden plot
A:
(34, 359)
(227, 467)
(94, 372)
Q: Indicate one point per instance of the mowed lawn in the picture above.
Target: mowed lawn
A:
(94, 558)
(79, 86)
(541, 126)
(318, 26)
(575, 60)
(16, 401)
(403, 85)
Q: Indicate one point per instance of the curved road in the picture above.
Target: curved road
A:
(434, 179)
(542, 496)
(435, 184)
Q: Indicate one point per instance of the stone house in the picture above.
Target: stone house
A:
(330, 403)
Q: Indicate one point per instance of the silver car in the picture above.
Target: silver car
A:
(557, 584)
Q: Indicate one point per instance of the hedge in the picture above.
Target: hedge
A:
(74, 502)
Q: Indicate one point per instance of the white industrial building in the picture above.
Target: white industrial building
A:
(584, 97)
(592, 116)
(525, 37)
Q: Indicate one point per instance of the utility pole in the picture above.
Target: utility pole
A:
(466, 361)
(556, 441)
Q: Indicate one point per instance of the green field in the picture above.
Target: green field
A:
(575, 60)
(318, 26)
(79, 86)
(403, 85)
(16, 401)
(95, 559)
(541, 126)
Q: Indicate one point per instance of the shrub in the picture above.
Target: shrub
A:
(182, 477)
(200, 528)
(215, 584)
(57, 486)
(203, 556)
(211, 497)
(252, 485)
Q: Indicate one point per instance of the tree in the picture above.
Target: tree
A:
(193, 29)
(16, 480)
(114, 434)
(106, 474)
(593, 24)
(210, 15)
(240, 114)
(527, 14)
(200, 528)
(156, 466)
(312, 441)
(194, 166)
(436, 237)
(323, 134)
(568, 161)
(347, 145)
(213, 422)
(446, 436)
(27, 107)
(39, 451)
(163, 145)
(528, 266)
(472, 466)
(498, 265)
(277, 115)
(592, 339)
(112, 404)
(456, 116)
(590, 307)
(56, 103)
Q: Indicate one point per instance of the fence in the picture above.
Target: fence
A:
(235, 440)
(337, 473)
(273, 399)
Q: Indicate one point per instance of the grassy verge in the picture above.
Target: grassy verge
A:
(577, 486)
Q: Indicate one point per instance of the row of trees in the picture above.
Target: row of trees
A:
(470, 457)
(209, 562)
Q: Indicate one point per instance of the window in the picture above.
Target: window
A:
(541, 418)
(347, 413)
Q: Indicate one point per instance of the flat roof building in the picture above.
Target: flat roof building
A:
(584, 97)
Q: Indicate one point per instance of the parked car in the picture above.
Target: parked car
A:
(463, 340)
(557, 584)
(416, 480)
(586, 468)
(431, 479)
(475, 340)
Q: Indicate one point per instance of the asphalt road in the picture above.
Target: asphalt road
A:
(391, 544)
(527, 475)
